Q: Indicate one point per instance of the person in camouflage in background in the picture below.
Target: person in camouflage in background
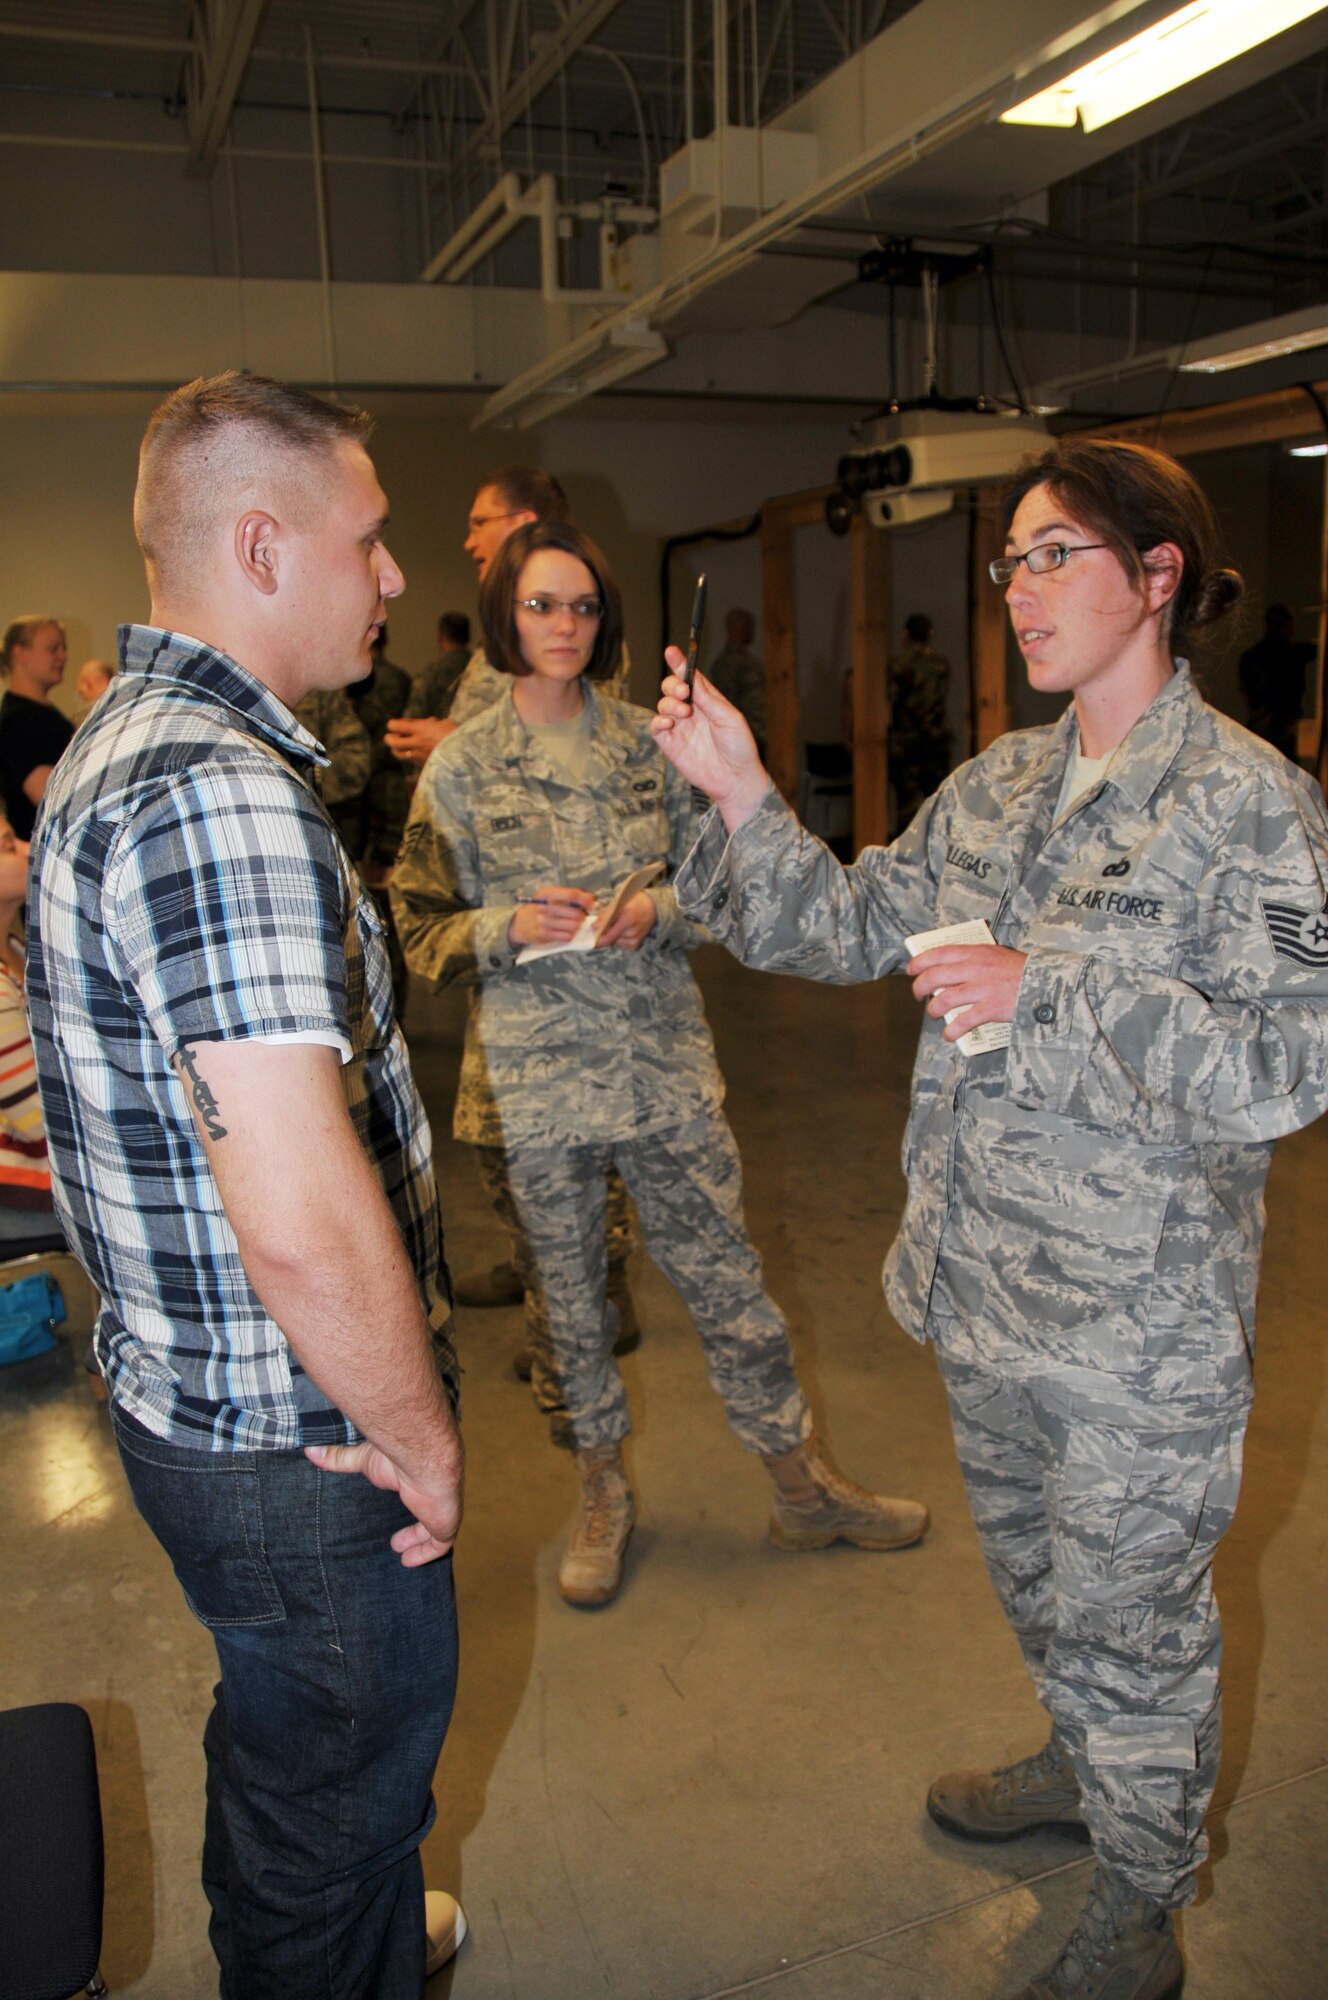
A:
(919, 740)
(372, 825)
(584, 1059)
(1085, 1210)
(434, 687)
(507, 500)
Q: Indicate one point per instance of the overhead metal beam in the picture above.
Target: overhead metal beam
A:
(224, 42)
(447, 32)
(181, 45)
(168, 45)
(582, 21)
(1221, 164)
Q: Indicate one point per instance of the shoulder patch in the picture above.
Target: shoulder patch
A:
(1300, 935)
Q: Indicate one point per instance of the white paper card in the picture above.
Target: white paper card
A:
(993, 1034)
(593, 922)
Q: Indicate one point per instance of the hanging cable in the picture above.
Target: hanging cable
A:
(999, 325)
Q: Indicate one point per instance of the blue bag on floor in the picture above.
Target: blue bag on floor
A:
(29, 1309)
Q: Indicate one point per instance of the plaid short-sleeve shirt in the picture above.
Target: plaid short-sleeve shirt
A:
(187, 885)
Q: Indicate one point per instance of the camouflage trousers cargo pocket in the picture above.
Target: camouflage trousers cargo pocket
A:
(1071, 1258)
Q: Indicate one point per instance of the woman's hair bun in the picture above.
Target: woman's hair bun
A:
(1214, 597)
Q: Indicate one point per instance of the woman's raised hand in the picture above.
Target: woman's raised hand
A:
(709, 741)
(551, 916)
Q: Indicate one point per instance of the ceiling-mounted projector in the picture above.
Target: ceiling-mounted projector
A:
(910, 463)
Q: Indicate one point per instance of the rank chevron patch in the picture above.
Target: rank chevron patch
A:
(1300, 935)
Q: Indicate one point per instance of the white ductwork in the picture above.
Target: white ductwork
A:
(893, 121)
(507, 206)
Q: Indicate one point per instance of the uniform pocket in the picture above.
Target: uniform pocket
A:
(1072, 1256)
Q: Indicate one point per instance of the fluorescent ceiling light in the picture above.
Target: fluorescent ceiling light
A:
(1186, 44)
(1309, 450)
(1245, 345)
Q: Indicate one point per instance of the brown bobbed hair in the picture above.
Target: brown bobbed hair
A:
(1134, 499)
(498, 591)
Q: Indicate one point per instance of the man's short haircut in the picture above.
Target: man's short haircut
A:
(529, 489)
(214, 437)
(918, 627)
(454, 626)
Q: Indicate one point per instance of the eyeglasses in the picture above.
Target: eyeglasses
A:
(586, 610)
(1046, 556)
(478, 521)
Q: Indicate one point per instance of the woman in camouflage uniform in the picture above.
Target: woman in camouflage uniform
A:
(523, 822)
(1085, 1209)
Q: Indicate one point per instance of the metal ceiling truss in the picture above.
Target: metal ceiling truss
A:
(561, 113)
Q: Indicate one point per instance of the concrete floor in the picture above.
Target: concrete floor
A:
(716, 1785)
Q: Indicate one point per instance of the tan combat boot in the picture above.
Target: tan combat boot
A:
(1028, 1797)
(591, 1569)
(1122, 1948)
(815, 1505)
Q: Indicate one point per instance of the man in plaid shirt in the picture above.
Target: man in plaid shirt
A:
(243, 1163)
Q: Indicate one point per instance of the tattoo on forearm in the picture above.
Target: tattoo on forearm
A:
(206, 1104)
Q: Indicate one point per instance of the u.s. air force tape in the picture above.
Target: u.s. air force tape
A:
(1300, 935)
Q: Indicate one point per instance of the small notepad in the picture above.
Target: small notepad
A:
(992, 1034)
(592, 924)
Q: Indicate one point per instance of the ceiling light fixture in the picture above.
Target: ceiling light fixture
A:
(1309, 450)
(1244, 345)
(1173, 52)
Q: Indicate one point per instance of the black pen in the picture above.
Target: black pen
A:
(688, 674)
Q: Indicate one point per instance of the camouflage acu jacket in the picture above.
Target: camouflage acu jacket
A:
(582, 1046)
(1090, 1200)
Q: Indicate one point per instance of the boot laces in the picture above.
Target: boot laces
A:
(601, 1511)
(1047, 1764)
(1089, 1946)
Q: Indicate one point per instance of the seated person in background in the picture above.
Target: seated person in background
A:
(583, 1060)
(33, 732)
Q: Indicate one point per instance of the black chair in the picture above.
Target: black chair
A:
(825, 803)
(51, 1863)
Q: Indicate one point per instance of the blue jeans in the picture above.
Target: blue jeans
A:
(338, 1671)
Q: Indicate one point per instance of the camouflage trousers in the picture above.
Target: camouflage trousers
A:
(687, 1186)
(619, 1233)
(1100, 1540)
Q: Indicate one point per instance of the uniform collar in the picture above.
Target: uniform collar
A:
(149, 655)
(610, 737)
(1143, 759)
